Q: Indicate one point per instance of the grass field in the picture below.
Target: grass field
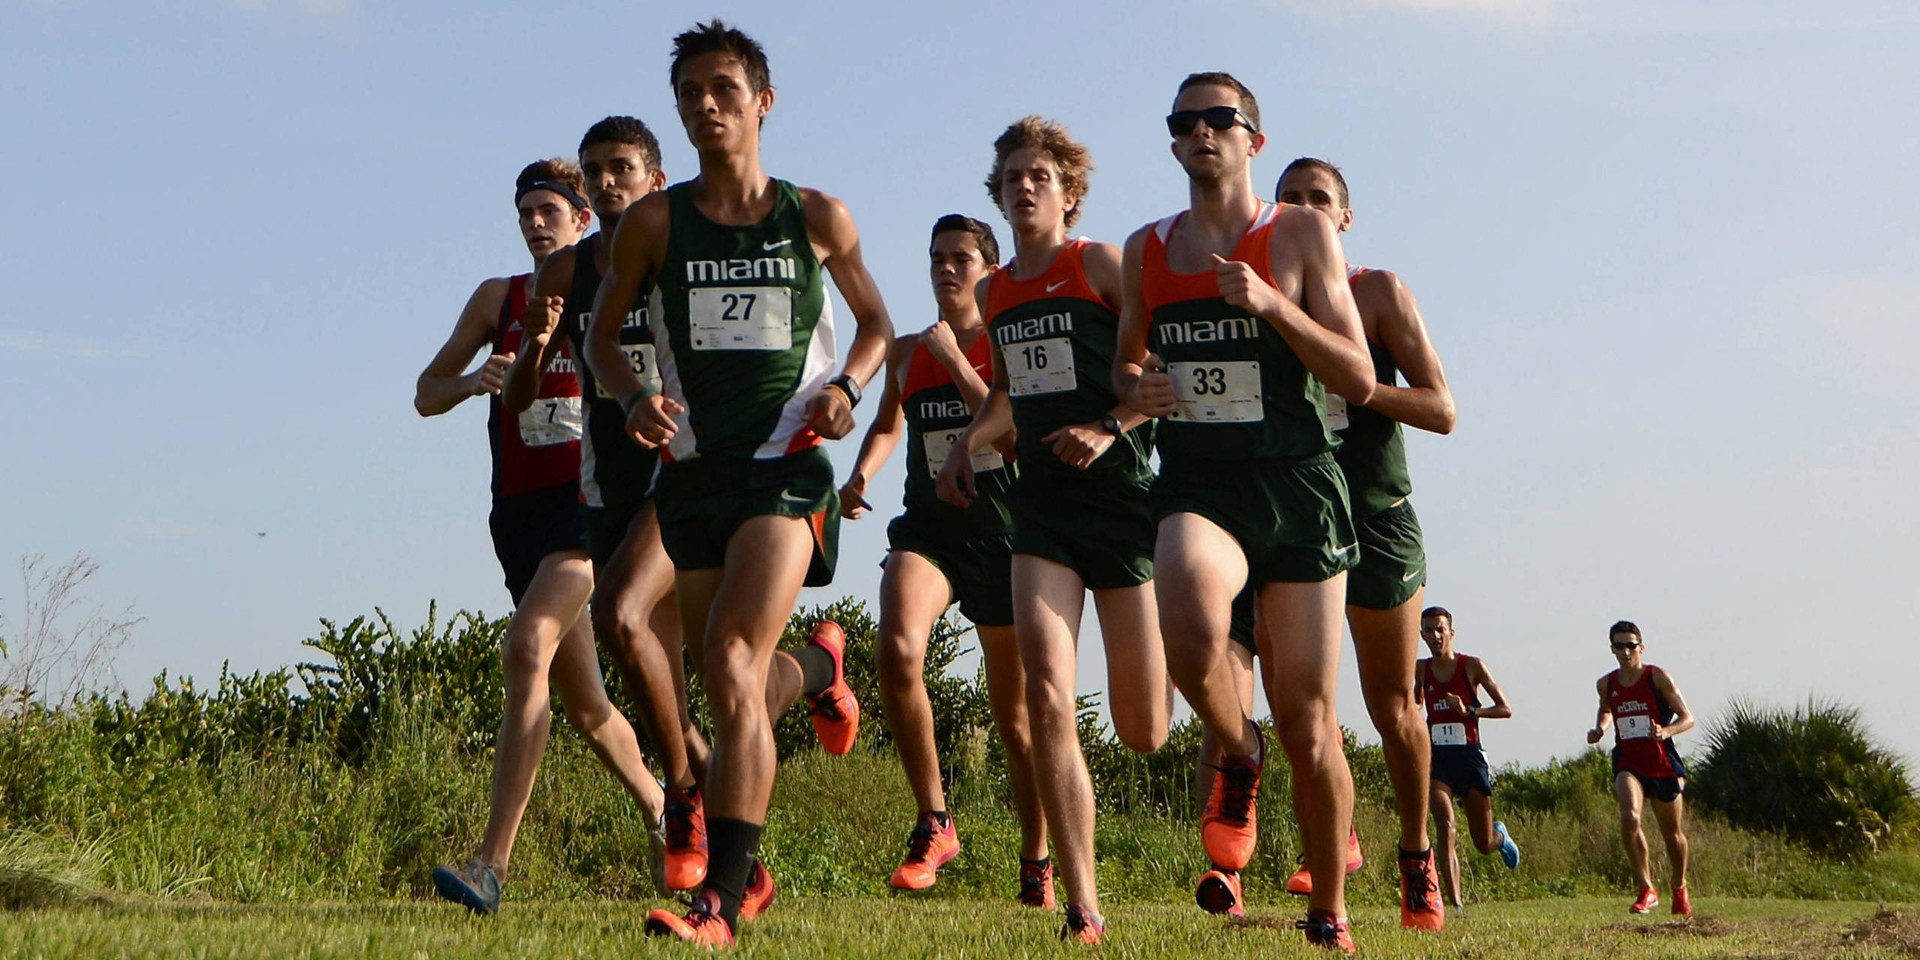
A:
(829, 928)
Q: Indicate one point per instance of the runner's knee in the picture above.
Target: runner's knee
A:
(590, 715)
(1139, 731)
(901, 660)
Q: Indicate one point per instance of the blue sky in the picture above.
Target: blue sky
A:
(1668, 252)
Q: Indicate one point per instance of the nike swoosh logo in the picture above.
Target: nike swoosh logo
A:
(775, 246)
(788, 496)
(1057, 284)
(1410, 576)
(1340, 550)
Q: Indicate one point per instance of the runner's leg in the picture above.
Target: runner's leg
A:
(1446, 855)
(1302, 659)
(1386, 645)
(1048, 600)
(913, 594)
(1139, 696)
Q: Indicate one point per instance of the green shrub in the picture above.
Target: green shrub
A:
(1812, 773)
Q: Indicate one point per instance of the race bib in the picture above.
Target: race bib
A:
(740, 318)
(1634, 728)
(549, 421)
(1216, 391)
(1449, 734)
(939, 444)
(640, 360)
(1337, 420)
(1039, 367)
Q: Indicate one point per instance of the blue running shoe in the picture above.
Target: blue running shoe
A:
(1509, 851)
(475, 886)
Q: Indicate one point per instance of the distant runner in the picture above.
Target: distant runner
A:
(1646, 710)
(1448, 687)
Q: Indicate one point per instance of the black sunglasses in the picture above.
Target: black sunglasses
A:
(1181, 122)
(1624, 646)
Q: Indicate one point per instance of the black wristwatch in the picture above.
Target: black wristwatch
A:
(1111, 424)
(846, 385)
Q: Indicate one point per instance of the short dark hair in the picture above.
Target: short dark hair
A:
(1437, 612)
(625, 130)
(1220, 78)
(715, 35)
(982, 235)
(1625, 626)
(1315, 163)
(553, 170)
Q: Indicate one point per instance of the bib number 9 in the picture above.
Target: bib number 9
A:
(551, 420)
(1037, 367)
(740, 318)
(1216, 391)
(1449, 734)
(1634, 728)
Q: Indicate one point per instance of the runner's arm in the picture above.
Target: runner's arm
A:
(1500, 709)
(837, 240)
(1134, 383)
(1327, 334)
(553, 279)
(1003, 441)
(883, 434)
(442, 385)
(638, 245)
(1682, 717)
(1425, 402)
(1604, 718)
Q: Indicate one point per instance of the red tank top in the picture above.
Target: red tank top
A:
(1448, 727)
(1636, 707)
(540, 446)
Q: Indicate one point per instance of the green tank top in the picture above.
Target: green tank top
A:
(1372, 452)
(1057, 339)
(614, 471)
(743, 329)
(936, 416)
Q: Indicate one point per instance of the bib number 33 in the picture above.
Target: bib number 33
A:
(1217, 391)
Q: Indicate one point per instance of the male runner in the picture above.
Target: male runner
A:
(746, 347)
(537, 536)
(1080, 506)
(1236, 312)
(1448, 687)
(1647, 711)
(941, 554)
(634, 615)
(1383, 591)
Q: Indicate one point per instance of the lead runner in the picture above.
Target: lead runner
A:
(747, 507)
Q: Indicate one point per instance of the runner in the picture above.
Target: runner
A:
(634, 616)
(1448, 688)
(538, 538)
(1246, 311)
(940, 554)
(746, 348)
(1384, 590)
(1080, 506)
(1647, 711)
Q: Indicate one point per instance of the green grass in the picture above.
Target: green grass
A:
(896, 927)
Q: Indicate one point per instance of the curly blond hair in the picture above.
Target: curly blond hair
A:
(1068, 154)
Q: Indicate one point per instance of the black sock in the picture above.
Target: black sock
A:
(941, 816)
(1040, 864)
(816, 669)
(1426, 854)
(731, 845)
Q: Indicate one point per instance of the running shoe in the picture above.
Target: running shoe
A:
(835, 712)
(1327, 931)
(1682, 904)
(1229, 824)
(1509, 851)
(929, 848)
(474, 886)
(759, 893)
(1301, 883)
(1219, 892)
(1647, 900)
(1087, 928)
(1036, 885)
(1420, 907)
(685, 826)
(702, 924)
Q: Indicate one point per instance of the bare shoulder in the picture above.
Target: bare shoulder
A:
(823, 208)
(903, 346)
(1102, 255)
(1378, 287)
(653, 209)
(491, 293)
(555, 276)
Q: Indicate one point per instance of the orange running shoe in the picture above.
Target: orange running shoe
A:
(1420, 907)
(1219, 892)
(1036, 884)
(759, 894)
(1682, 904)
(1325, 930)
(1087, 928)
(685, 822)
(1301, 883)
(929, 848)
(835, 712)
(1648, 899)
(701, 925)
(1229, 824)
